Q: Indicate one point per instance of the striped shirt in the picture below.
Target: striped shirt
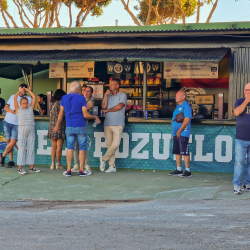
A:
(25, 117)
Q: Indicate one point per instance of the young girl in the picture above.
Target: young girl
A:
(26, 132)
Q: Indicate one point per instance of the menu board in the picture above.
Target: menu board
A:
(182, 70)
(74, 70)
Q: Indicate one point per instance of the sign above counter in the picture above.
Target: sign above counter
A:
(119, 68)
(181, 70)
(74, 70)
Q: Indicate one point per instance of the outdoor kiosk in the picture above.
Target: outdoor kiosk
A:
(146, 142)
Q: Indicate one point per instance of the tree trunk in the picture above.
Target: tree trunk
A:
(46, 19)
(198, 11)
(70, 13)
(149, 12)
(212, 11)
(21, 12)
(130, 13)
(57, 19)
(85, 15)
(5, 20)
(174, 13)
(8, 15)
(79, 15)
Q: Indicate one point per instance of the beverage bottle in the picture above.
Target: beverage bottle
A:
(95, 124)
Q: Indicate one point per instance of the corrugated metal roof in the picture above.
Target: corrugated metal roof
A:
(34, 57)
(168, 28)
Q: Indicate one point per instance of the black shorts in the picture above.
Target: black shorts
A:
(180, 146)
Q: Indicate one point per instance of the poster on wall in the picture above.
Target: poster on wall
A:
(119, 68)
(152, 67)
(74, 70)
(97, 91)
(178, 70)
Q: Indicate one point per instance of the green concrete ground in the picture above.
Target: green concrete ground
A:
(123, 185)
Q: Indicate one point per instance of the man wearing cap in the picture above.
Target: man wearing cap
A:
(10, 125)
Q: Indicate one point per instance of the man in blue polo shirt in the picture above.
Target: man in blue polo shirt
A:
(181, 128)
(242, 142)
(75, 108)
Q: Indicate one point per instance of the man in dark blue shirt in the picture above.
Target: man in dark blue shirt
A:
(242, 142)
(181, 128)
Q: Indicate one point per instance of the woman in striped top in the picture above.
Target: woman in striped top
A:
(26, 132)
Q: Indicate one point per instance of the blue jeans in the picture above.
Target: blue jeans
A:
(10, 130)
(80, 133)
(242, 148)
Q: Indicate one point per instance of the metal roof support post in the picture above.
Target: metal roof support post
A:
(31, 78)
(64, 85)
(144, 98)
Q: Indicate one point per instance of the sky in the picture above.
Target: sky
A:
(226, 11)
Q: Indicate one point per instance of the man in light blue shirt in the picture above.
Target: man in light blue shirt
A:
(114, 106)
(181, 128)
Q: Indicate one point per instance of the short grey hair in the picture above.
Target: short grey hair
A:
(75, 86)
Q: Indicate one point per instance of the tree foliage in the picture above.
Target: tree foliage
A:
(155, 12)
(163, 11)
(46, 13)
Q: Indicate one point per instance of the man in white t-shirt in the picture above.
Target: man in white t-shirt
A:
(10, 125)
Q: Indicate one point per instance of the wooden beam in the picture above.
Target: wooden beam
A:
(31, 78)
(64, 84)
(59, 83)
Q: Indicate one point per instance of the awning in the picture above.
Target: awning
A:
(173, 55)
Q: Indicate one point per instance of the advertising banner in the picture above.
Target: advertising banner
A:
(179, 70)
(74, 70)
(145, 146)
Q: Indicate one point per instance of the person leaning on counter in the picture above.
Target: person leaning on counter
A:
(41, 104)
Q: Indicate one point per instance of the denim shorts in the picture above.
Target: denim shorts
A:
(180, 145)
(80, 133)
(10, 130)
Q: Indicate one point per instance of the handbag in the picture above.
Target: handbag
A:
(179, 118)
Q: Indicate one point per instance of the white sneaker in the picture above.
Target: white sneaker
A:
(75, 169)
(111, 170)
(87, 173)
(21, 171)
(102, 165)
(237, 189)
(87, 167)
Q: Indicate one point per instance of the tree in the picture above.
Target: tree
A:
(46, 13)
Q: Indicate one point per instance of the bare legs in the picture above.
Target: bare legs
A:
(56, 150)
(186, 160)
(9, 149)
(69, 156)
